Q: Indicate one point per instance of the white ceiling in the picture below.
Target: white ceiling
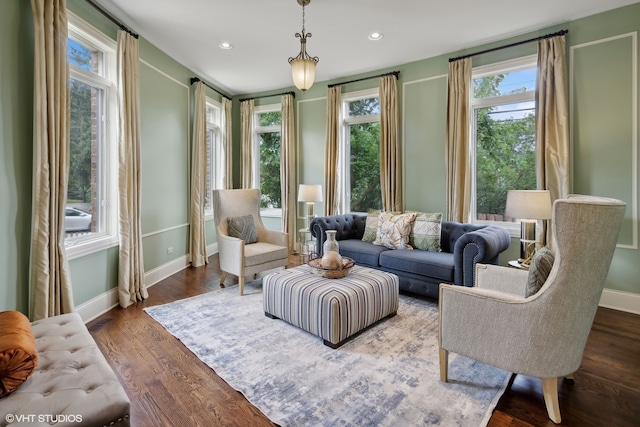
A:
(263, 32)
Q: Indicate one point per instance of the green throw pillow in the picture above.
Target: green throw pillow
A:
(243, 228)
(539, 270)
(425, 232)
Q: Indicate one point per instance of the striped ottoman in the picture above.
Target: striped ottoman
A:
(333, 309)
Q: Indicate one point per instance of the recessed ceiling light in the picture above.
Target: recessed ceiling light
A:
(376, 36)
(225, 45)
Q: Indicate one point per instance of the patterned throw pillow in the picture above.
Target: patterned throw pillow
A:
(393, 230)
(539, 270)
(371, 227)
(243, 228)
(425, 233)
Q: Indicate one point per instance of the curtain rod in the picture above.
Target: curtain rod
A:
(393, 73)
(535, 39)
(268, 96)
(112, 19)
(195, 80)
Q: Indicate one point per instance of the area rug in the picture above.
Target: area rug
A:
(388, 375)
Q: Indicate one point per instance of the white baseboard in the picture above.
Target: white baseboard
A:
(99, 305)
(619, 300)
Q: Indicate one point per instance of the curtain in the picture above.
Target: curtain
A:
(49, 279)
(246, 164)
(131, 286)
(334, 95)
(552, 122)
(390, 174)
(458, 163)
(198, 238)
(287, 170)
(227, 144)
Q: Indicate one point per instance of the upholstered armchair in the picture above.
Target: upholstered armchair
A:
(245, 246)
(542, 335)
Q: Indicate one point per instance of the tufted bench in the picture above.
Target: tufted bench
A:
(73, 383)
(333, 309)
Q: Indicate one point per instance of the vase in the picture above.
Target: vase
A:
(331, 244)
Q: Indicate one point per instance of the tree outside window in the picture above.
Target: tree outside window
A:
(269, 142)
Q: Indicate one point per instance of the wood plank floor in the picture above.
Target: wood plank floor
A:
(169, 386)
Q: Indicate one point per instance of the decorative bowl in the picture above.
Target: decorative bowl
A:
(337, 273)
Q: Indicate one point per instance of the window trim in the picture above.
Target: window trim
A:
(215, 153)
(517, 64)
(81, 31)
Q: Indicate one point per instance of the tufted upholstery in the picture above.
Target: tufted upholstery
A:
(73, 380)
(421, 272)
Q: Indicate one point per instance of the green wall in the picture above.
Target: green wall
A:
(603, 69)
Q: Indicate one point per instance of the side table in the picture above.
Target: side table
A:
(306, 244)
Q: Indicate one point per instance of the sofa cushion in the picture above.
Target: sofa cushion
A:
(438, 265)
(425, 232)
(18, 351)
(393, 230)
(541, 265)
(363, 253)
(242, 227)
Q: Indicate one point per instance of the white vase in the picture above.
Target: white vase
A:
(331, 244)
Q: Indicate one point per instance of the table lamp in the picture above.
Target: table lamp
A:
(309, 193)
(528, 206)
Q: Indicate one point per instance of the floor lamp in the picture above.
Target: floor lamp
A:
(309, 193)
(529, 206)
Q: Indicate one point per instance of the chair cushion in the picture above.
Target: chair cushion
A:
(425, 232)
(539, 270)
(242, 227)
(260, 253)
(18, 351)
(393, 230)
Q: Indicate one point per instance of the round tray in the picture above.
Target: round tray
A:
(329, 273)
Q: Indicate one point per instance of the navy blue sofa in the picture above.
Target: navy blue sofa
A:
(419, 271)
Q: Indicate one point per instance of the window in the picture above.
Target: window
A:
(503, 135)
(214, 153)
(91, 218)
(268, 125)
(360, 143)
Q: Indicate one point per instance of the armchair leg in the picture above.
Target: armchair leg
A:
(241, 284)
(550, 392)
(224, 276)
(444, 365)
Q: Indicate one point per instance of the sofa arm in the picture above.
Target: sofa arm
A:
(347, 226)
(480, 246)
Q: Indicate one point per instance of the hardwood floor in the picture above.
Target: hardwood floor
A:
(169, 386)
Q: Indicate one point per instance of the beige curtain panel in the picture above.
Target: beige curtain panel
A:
(458, 162)
(246, 143)
(552, 122)
(227, 144)
(49, 279)
(390, 157)
(334, 95)
(198, 238)
(288, 170)
(131, 286)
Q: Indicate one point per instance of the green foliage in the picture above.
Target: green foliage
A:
(366, 192)
(270, 184)
(79, 186)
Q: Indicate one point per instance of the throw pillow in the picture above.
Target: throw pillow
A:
(539, 270)
(425, 232)
(371, 226)
(243, 228)
(393, 230)
(18, 351)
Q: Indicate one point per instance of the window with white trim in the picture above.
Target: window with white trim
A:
(91, 207)
(359, 157)
(214, 152)
(267, 144)
(503, 136)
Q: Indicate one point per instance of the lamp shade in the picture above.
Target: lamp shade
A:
(528, 204)
(303, 72)
(310, 193)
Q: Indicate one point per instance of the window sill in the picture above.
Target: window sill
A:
(78, 249)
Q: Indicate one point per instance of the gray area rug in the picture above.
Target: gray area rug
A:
(388, 375)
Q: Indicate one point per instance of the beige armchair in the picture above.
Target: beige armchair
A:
(543, 335)
(236, 257)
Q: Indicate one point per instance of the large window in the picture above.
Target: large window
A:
(360, 143)
(268, 125)
(90, 215)
(214, 153)
(503, 135)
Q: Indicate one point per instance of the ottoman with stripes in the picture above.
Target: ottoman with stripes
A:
(333, 309)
